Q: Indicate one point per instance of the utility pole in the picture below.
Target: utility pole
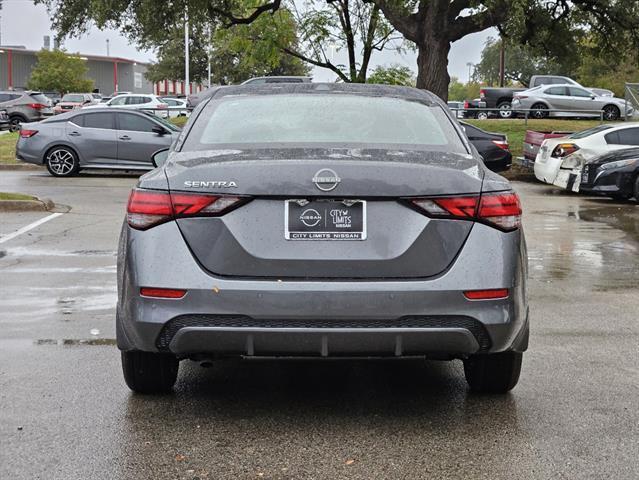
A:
(186, 53)
(208, 52)
(502, 63)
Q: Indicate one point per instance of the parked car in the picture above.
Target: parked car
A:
(54, 98)
(4, 120)
(105, 99)
(177, 106)
(560, 160)
(113, 138)
(569, 101)
(614, 174)
(457, 109)
(539, 80)
(293, 231)
(475, 109)
(533, 140)
(24, 106)
(71, 101)
(149, 102)
(277, 79)
(493, 147)
(500, 99)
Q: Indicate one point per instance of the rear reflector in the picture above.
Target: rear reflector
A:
(493, 294)
(27, 133)
(162, 292)
(147, 208)
(501, 210)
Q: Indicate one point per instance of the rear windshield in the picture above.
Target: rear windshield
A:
(323, 119)
(40, 98)
(590, 131)
(73, 98)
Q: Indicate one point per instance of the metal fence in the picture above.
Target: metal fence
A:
(631, 94)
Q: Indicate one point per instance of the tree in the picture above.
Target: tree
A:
(458, 91)
(432, 25)
(393, 75)
(239, 53)
(59, 71)
(357, 26)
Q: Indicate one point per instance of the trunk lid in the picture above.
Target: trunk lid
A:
(250, 241)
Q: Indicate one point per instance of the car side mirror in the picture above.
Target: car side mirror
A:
(159, 130)
(592, 97)
(159, 158)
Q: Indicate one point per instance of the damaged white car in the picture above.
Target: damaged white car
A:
(560, 160)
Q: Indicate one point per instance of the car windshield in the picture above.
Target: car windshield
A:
(70, 97)
(324, 119)
(590, 131)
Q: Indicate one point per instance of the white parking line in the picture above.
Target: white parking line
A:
(31, 226)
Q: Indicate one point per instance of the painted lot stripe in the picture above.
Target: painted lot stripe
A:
(31, 226)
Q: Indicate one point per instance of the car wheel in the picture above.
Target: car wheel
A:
(539, 111)
(493, 373)
(505, 110)
(611, 112)
(481, 116)
(62, 162)
(14, 123)
(148, 372)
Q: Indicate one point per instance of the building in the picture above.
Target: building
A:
(109, 74)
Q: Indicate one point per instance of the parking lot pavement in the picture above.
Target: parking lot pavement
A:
(65, 412)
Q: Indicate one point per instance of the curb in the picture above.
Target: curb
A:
(19, 166)
(38, 205)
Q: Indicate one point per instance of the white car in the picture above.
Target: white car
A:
(137, 101)
(177, 107)
(560, 160)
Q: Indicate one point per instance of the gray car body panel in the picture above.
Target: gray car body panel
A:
(95, 147)
(182, 255)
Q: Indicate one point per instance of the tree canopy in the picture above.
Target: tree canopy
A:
(59, 71)
(392, 75)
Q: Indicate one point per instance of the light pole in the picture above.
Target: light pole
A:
(186, 53)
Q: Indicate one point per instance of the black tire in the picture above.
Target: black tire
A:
(481, 115)
(539, 111)
(493, 373)
(15, 122)
(505, 110)
(611, 113)
(62, 162)
(147, 372)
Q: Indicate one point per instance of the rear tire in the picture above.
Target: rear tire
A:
(147, 372)
(493, 373)
(539, 111)
(505, 110)
(481, 116)
(62, 162)
(611, 113)
(15, 122)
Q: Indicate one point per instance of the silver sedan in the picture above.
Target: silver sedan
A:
(95, 138)
(569, 101)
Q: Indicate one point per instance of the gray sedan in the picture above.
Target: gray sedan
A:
(107, 139)
(569, 101)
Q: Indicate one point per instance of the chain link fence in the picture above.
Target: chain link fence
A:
(632, 96)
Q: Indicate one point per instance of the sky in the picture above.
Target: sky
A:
(23, 23)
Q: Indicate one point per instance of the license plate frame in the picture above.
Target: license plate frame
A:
(320, 223)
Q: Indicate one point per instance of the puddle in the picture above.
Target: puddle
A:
(75, 341)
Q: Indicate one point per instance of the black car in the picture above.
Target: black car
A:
(614, 174)
(475, 109)
(493, 147)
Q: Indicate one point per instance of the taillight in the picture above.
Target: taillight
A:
(24, 133)
(503, 144)
(466, 104)
(564, 149)
(37, 106)
(482, 94)
(148, 208)
(501, 210)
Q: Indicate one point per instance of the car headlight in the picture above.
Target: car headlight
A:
(618, 164)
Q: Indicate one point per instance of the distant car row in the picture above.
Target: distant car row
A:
(602, 160)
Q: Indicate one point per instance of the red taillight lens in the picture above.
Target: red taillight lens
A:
(27, 133)
(466, 104)
(162, 292)
(501, 144)
(482, 94)
(492, 294)
(147, 208)
(37, 106)
(564, 149)
(502, 210)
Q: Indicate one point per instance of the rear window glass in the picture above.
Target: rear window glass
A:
(590, 131)
(73, 98)
(329, 119)
(40, 98)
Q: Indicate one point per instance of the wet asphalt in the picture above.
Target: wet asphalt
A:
(65, 412)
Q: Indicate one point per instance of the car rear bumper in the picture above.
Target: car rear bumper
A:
(235, 316)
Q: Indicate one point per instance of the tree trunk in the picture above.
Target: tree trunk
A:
(432, 66)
